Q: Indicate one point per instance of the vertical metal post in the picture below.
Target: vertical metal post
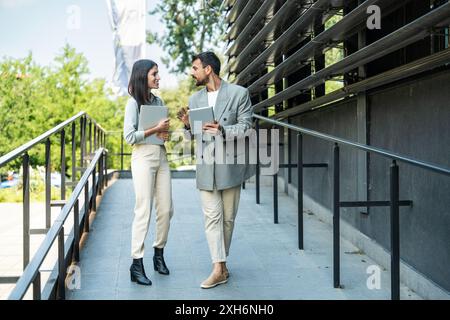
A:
(90, 136)
(300, 189)
(106, 169)
(336, 218)
(95, 138)
(74, 146)
(100, 174)
(86, 207)
(61, 266)
(37, 287)
(48, 190)
(275, 198)
(76, 231)
(94, 191)
(63, 164)
(289, 158)
(82, 141)
(121, 152)
(257, 162)
(395, 233)
(26, 209)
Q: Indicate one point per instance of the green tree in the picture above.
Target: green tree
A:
(34, 98)
(191, 26)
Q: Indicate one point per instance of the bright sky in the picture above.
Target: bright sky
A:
(41, 26)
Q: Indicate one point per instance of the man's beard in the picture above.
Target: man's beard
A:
(199, 83)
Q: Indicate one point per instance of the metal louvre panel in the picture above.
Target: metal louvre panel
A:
(303, 23)
(249, 10)
(411, 69)
(404, 36)
(240, 41)
(254, 46)
(235, 11)
(341, 30)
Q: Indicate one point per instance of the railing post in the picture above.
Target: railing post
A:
(289, 155)
(61, 266)
(82, 142)
(275, 198)
(76, 231)
(95, 138)
(336, 218)
(106, 169)
(395, 233)
(90, 136)
(121, 152)
(26, 209)
(63, 164)
(100, 174)
(48, 190)
(86, 207)
(300, 189)
(257, 162)
(74, 146)
(94, 191)
(37, 287)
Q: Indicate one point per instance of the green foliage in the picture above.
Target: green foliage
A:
(34, 99)
(190, 27)
(332, 56)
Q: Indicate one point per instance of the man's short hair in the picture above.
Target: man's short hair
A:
(209, 58)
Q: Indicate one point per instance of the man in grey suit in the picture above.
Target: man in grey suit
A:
(219, 171)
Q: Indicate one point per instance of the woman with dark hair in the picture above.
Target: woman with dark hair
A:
(150, 171)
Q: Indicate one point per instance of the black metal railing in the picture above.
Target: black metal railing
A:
(91, 135)
(394, 203)
(69, 250)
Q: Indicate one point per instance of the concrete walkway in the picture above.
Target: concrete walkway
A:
(264, 261)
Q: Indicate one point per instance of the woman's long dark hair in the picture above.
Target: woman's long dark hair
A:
(138, 85)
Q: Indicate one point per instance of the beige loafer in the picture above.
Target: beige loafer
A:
(214, 280)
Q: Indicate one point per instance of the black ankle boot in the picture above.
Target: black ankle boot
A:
(137, 273)
(158, 262)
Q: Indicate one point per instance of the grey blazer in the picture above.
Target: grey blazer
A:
(233, 111)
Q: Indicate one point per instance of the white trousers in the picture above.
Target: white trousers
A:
(219, 210)
(151, 180)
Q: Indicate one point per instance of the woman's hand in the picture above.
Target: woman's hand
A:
(163, 126)
(164, 135)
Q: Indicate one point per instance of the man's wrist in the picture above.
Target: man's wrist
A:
(222, 130)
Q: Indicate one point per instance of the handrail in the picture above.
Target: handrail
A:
(364, 147)
(90, 133)
(394, 202)
(25, 147)
(31, 271)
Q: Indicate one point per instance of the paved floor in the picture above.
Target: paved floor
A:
(264, 261)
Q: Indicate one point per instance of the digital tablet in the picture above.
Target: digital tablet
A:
(199, 116)
(149, 117)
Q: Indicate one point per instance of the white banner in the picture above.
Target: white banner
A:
(127, 18)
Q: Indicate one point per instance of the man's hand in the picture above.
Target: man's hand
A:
(183, 116)
(213, 128)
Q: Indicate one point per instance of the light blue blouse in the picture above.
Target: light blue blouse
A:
(131, 121)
